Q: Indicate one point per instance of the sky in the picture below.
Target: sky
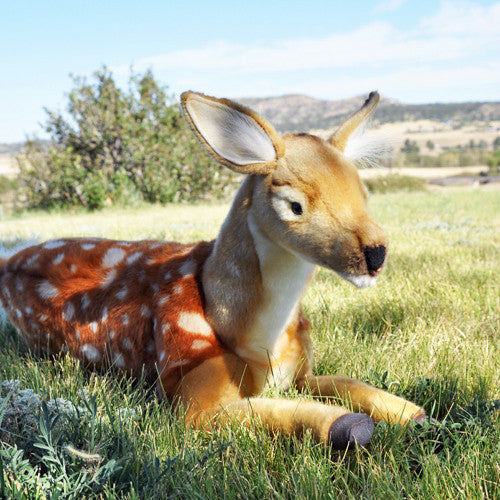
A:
(415, 51)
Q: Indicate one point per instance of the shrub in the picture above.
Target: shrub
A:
(394, 182)
(116, 146)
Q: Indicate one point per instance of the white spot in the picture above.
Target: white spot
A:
(77, 335)
(104, 316)
(118, 360)
(113, 257)
(151, 346)
(28, 310)
(43, 317)
(19, 285)
(194, 323)
(32, 260)
(68, 312)
(188, 268)
(162, 355)
(112, 334)
(125, 243)
(73, 268)
(145, 311)
(50, 245)
(122, 293)
(85, 301)
(58, 259)
(127, 344)
(151, 261)
(162, 300)
(46, 290)
(179, 362)
(156, 245)
(109, 278)
(19, 313)
(168, 276)
(93, 326)
(133, 257)
(155, 288)
(178, 289)
(165, 327)
(198, 345)
(91, 353)
(88, 246)
(125, 319)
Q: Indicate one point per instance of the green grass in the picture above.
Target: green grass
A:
(427, 331)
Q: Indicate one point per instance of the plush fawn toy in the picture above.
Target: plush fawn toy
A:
(216, 322)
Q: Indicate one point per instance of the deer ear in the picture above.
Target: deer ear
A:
(235, 136)
(354, 123)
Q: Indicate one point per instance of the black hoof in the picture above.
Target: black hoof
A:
(349, 430)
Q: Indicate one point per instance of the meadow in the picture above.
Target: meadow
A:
(428, 331)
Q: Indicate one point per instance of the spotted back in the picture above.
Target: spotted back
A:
(131, 305)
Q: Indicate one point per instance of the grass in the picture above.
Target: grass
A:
(427, 331)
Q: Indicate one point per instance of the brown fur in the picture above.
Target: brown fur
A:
(220, 321)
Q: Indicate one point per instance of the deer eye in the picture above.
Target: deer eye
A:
(296, 208)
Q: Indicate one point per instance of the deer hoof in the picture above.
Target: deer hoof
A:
(350, 430)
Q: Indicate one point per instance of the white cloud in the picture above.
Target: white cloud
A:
(458, 45)
(388, 5)
(456, 31)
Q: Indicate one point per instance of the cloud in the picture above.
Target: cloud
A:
(455, 32)
(389, 5)
(460, 43)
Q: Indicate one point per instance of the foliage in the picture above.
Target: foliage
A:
(7, 184)
(391, 183)
(494, 161)
(116, 146)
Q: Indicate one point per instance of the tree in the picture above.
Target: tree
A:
(430, 145)
(410, 147)
(114, 146)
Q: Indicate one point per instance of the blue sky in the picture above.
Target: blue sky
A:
(414, 51)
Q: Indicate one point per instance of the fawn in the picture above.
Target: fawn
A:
(214, 322)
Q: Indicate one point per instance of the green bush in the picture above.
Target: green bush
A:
(7, 184)
(116, 146)
(394, 182)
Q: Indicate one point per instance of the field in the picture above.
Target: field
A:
(428, 331)
(443, 135)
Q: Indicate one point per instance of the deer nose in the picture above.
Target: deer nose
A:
(374, 257)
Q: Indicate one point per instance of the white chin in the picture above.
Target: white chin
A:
(362, 281)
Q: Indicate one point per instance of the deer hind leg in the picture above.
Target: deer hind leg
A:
(218, 390)
(379, 404)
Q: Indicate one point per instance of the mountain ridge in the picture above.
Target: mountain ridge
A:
(299, 112)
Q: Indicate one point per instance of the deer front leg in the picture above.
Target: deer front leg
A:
(379, 404)
(217, 392)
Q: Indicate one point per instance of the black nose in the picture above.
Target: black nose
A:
(375, 257)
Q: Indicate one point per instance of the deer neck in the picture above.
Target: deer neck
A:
(252, 285)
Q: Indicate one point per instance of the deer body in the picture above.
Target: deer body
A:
(216, 321)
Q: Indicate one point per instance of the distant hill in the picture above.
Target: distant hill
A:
(293, 113)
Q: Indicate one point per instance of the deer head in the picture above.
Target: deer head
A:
(307, 195)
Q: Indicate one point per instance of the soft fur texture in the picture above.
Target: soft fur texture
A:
(214, 323)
